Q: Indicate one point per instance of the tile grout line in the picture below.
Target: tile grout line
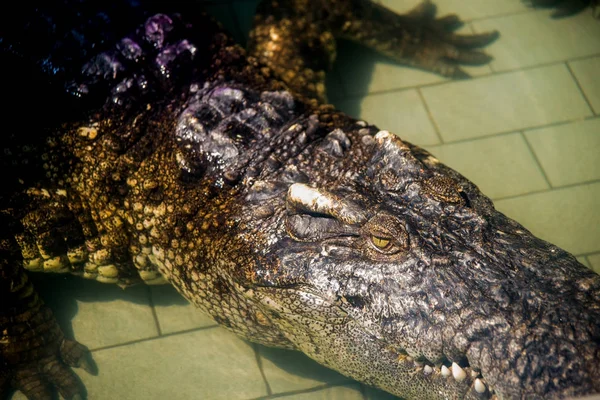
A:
(586, 255)
(536, 159)
(488, 65)
(261, 369)
(474, 139)
(569, 186)
(151, 338)
(522, 129)
(559, 123)
(153, 308)
(303, 391)
(579, 87)
(356, 96)
(503, 15)
(541, 65)
(436, 128)
(550, 188)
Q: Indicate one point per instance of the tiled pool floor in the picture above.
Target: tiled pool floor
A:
(526, 129)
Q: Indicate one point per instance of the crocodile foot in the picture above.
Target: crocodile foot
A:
(424, 41)
(35, 356)
(37, 379)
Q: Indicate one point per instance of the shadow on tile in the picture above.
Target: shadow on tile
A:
(174, 313)
(377, 394)
(357, 66)
(59, 286)
(166, 295)
(361, 61)
(291, 370)
(65, 294)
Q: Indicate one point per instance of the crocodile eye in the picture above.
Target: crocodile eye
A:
(385, 234)
(380, 242)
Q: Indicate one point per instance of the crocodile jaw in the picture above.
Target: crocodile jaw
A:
(466, 303)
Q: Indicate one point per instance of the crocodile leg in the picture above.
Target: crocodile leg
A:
(296, 42)
(417, 38)
(34, 354)
(296, 39)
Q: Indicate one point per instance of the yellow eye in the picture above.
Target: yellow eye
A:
(380, 242)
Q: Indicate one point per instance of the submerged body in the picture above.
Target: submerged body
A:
(167, 153)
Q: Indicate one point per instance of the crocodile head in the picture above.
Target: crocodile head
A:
(405, 277)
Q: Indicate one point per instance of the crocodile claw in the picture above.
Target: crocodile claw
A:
(446, 50)
(39, 379)
(430, 43)
(77, 355)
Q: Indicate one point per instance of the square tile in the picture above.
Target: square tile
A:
(505, 102)
(402, 113)
(98, 314)
(586, 73)
(466, 10)
(287, 370)
(207, 364)
(594, 262)
(534, 38)
(568, 153)
(501, 166)
(350, 392)
(568, 217)
(174, 312)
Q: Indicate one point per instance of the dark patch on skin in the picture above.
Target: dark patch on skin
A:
(355, 301)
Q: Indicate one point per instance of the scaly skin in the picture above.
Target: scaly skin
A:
(157, 150)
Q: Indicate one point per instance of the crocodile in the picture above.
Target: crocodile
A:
(142, 145)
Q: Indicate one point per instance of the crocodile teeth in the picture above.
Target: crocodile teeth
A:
(445, 371)
(458, 372)
(427, 370)
(479, 386)
(474, 374)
